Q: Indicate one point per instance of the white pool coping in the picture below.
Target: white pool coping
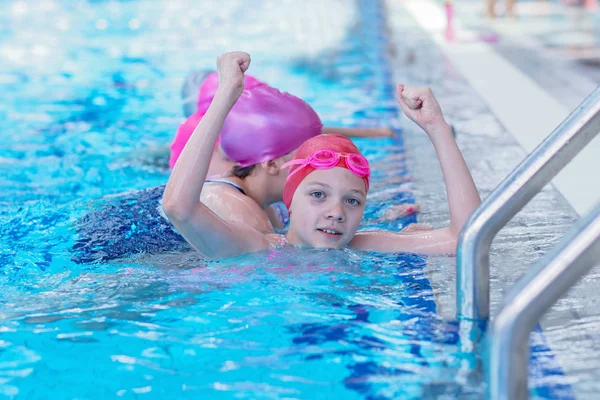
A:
(527, 111)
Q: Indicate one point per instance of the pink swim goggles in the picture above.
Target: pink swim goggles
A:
(327, 159)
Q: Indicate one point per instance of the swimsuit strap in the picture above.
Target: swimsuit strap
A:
(227, 183)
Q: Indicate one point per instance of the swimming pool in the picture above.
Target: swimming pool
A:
(85, 99)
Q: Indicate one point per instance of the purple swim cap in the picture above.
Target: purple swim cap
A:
(209, 87)
(206, 93)
(265, 124)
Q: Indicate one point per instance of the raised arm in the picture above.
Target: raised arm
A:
(420, 106)
(204, 230)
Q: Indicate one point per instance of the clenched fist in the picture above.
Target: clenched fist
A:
(231, 68)
(420, 105)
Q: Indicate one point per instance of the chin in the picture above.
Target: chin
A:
(326, 246)
(329, 245)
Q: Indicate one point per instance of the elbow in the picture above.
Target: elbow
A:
(174, 210)
(450, 246)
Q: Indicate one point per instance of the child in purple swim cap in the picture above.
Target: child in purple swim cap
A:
(260, 133)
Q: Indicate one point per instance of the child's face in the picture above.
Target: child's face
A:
(327, 208)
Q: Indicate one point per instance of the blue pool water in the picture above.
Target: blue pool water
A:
(88, 102)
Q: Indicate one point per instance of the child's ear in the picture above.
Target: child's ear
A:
(272, 166)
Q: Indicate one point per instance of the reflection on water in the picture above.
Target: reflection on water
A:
(337, 320)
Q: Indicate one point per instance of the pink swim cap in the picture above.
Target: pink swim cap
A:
(206, 94)
(265, 124)
(335, 144)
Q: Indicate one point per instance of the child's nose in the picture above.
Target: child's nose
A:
(336, 213)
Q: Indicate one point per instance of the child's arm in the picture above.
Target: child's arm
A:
(202, 228)
(360, 132)
(420, 105)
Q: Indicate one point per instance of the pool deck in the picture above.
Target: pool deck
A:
(531, 72)
(504, 95)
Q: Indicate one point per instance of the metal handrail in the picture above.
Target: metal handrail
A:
(533, 295)
(517, 189)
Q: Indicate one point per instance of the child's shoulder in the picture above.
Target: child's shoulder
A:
(276, 241)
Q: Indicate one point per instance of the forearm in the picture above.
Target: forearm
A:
(462, 193)
(359, 132)
(185, 184)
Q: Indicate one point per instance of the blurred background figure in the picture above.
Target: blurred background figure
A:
(449, 19)
(510, 8)
(588, 4)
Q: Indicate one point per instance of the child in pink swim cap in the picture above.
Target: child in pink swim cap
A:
(263, 125)
(325, 189)
(255, 130)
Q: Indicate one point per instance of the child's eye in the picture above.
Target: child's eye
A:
(317, 195)
(353, 202)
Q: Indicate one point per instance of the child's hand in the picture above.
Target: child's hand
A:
(231, 68)
(419, 104)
